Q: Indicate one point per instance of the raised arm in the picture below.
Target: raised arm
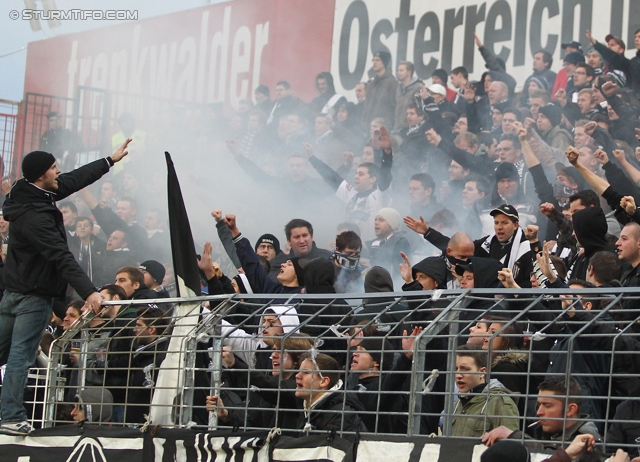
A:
(633, 172)
(529, 156)
(420, 226)
(258, 278)
(74, 181)
(327, 173)
(226, 238)
(597, 183)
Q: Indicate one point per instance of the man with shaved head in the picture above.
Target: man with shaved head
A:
(628, 249)
(458, 251)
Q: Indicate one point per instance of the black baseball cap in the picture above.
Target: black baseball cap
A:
(508, 210)
(572, 44)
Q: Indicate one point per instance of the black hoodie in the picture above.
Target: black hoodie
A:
(323, 313)
(590, 227)
(39, 261)
(323, 98)
(485, 276)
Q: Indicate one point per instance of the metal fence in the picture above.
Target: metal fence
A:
(10, 141)
(527, 335)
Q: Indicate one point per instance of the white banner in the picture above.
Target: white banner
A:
(440, 33)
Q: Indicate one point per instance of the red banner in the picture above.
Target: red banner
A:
(210, 54)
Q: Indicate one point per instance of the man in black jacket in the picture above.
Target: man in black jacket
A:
(326, 407)
(151, 349)
(300, 238)
(37, 269)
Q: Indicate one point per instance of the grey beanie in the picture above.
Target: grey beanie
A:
(97, 404)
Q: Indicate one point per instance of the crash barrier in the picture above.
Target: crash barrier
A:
(549, 332)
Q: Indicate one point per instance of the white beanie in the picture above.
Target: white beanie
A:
(391, 216)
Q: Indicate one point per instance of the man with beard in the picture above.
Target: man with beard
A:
(38, 268)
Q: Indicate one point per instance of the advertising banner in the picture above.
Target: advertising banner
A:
(440, 33)
(217, 53)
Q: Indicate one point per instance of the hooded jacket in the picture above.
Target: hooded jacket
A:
(318, 104)
(324, 313)
(485, 276)
(39, 261)
(498, 408)
(590, 227)
(319, 276)
(252, 349)
(96, 404)
(512, 370)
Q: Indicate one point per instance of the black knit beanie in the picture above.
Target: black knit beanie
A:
(35, 164)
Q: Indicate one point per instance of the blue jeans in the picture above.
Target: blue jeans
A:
(117, 413)
(23, 319)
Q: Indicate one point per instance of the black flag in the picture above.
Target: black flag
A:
(183, 250)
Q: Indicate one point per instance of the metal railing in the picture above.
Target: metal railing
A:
(11, 132)
(416, 396)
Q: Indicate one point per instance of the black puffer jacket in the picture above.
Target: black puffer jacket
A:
(39, 261)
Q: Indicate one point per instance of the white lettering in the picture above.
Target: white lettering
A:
(138, 61)
(202, 56)
(262, 40)
(240, 63)
(118, 68)
(72, 68)
(99, 71)
(161, 70)
(220, 41)
(187, 61)
(85, 70)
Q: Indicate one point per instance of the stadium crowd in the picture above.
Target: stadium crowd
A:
(444, 184)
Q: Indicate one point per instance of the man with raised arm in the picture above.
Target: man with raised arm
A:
(37, 269)
(510, 244)
(370, 189)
